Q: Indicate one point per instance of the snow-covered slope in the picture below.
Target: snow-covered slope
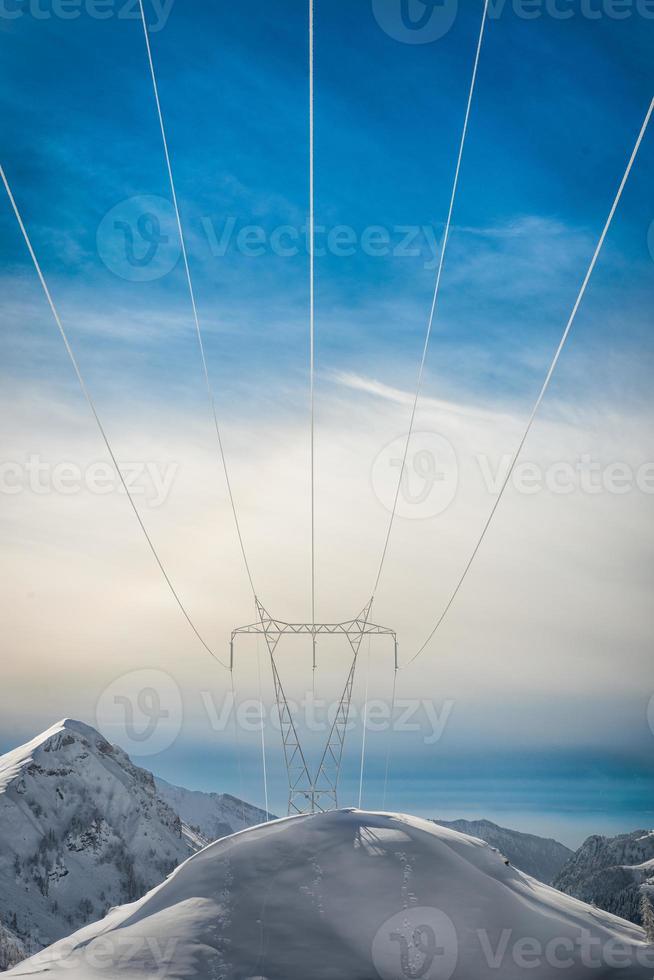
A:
(610, 872)
(81, 830)
(212, 815)
(349, 895)
(539, 857)
(12, 950)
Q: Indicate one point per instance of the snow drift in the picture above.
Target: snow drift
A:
(350, 895)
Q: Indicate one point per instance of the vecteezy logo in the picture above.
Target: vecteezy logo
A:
(650, 714)
(139, 239)
(418, 943)
(415, 21)
(650, 239)
(428, 481)
(141, 711)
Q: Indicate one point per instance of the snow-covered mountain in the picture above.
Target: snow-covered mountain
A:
(610, 872)
(539, 857)
(356, 896)
(211, 815)
(81, 829)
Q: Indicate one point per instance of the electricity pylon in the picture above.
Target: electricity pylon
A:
(307, 794)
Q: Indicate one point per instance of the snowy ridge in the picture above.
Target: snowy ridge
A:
(539, 857)
(15, 762)
(350, 895)
(211, 815)
(611, 872)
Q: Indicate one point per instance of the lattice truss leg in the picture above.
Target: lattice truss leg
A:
(318, 793)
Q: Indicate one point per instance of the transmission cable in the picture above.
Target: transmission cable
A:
(543, 391)
(96, 416)
(312, 331)
(263, 729)
(437, 287)
(196, 319)
(237, 741)
(390, 738)
(365, 725)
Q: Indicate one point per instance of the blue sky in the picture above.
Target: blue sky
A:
(557, 110)
(558, 106)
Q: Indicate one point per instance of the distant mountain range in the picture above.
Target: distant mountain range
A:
(608, 872)
(611, 873)
(82, 830)
(210, 815)
(536, 856)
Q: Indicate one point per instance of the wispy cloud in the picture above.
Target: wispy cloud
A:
(377, 389)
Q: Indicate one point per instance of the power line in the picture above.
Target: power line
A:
(238, 745)
(365, 726)
(263, 730)
(437, 286)
(91, 404)
(544, 388)
(312, 321)
(389, 740)
(187, 270)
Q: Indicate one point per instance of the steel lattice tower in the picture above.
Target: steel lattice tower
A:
(307, 794)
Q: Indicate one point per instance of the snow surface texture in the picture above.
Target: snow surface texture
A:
(611, 872)
(537, 856)
(210, 815)
(350, 895)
